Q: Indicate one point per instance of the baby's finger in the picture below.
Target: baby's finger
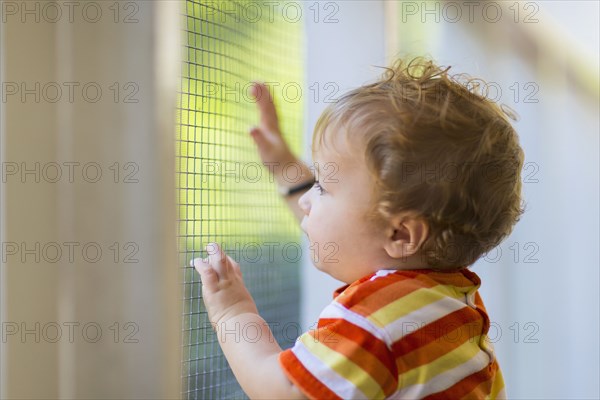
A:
(195, 261)
(268, 113)
(235, 266)
(259, 137)
(208, 275)
(217, 259)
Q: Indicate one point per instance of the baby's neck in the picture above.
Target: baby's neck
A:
(415, 261)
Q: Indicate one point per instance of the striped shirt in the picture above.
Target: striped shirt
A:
(407, 334)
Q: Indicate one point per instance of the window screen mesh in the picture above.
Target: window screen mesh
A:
(224, 193)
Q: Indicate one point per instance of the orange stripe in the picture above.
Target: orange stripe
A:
(466, 318)
(381, 298)
(382, 291)
(483, 312)
(435, 348)
(481, 391)
(463, 278)
(468, 384)
(303, 378)
(356, 294)
(479, 302)
(367, 341)
(363, 349)
(471, 276)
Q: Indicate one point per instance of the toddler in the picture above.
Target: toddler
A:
(417, 176)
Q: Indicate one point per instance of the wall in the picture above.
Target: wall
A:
(101, 323)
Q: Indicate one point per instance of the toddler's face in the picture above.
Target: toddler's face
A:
(343, 243)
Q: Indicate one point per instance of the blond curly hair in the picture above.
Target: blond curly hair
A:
(438, 148)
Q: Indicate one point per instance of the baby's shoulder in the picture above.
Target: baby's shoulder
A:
(388, 294)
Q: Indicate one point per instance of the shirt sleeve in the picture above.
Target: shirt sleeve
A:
(341, 360)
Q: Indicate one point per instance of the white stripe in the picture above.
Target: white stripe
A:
(337, 310)
(421, 317)
(328, 377)
(444, 380)
(382, 273)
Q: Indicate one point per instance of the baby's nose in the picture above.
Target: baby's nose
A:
(304, 202)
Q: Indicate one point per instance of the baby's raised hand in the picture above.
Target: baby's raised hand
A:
(272, 147)
(223, 289)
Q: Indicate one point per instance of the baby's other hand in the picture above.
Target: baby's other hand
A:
(223, 289)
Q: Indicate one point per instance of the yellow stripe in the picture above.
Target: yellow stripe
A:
(448, 361)
(343, 366)
(498, 384)
(412, 302)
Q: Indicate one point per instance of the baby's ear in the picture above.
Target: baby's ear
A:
(405, 235)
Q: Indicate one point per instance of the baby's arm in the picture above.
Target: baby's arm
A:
(245, 338)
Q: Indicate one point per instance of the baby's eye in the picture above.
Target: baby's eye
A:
(319, 187)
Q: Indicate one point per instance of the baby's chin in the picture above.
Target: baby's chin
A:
(321, 267)
(327, 269)
(318, 266)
